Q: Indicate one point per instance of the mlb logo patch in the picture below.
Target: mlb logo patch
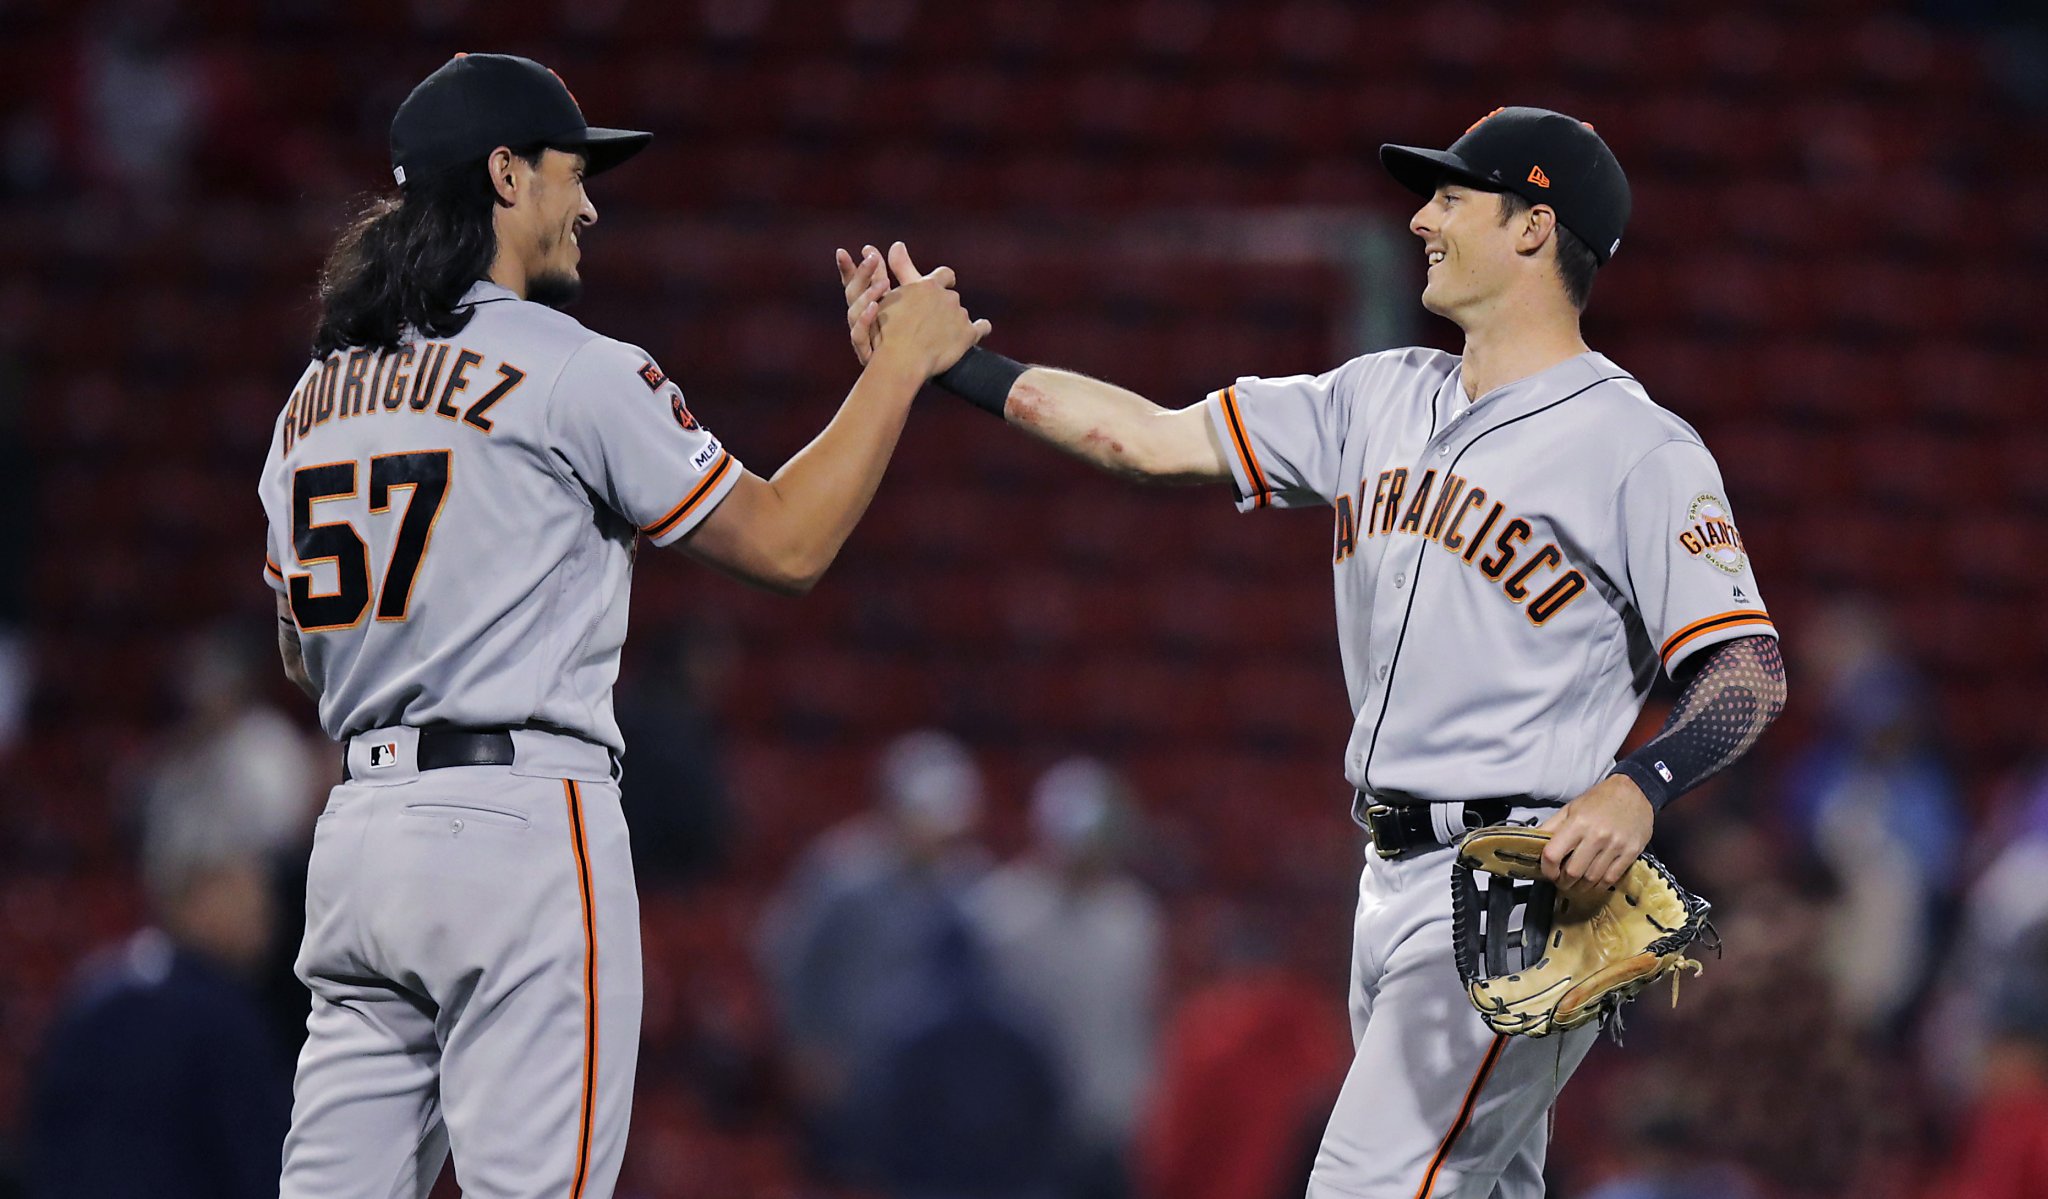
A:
(651, 375)
(384, 755)
(706, 456)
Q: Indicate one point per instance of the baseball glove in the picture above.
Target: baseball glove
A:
(1535, 960)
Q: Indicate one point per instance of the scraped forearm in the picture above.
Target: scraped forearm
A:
(1114, 429)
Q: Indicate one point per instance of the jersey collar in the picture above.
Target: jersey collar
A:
(483, 291)
(1528, 393)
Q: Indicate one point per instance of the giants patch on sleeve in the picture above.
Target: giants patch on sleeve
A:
(1710, 535)
(682, 411)
(651, 375)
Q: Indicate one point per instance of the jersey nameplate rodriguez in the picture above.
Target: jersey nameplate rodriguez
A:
(419, 378)
(1711, 536)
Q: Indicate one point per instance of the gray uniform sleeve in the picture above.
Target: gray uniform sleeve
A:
(277, 533)
(624, 431)
(1285, 438)
(273, 567)
(1688, 571)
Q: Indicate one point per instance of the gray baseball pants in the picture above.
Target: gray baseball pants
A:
(473, 950)
(1436, 1105)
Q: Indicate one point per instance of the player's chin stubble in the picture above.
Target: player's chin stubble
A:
(555, 289)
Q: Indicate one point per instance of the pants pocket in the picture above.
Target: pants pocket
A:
(464, 809)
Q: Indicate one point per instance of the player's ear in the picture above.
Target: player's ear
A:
(504, 176)
(1538, 226)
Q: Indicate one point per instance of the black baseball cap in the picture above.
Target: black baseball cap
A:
(1543, 156)
(477, 102)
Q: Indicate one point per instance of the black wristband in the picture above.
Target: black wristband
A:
(1656, 787)
(982, 378)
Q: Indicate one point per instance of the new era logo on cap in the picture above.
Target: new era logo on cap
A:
(1537, 177)
(383, 755)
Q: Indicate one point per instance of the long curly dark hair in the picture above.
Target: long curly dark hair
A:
(406, 259)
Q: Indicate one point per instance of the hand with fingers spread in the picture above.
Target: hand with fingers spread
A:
(866, 282)
(1598, 836)
(920, 320)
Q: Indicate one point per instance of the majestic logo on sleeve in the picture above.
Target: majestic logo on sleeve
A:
(1710, 535)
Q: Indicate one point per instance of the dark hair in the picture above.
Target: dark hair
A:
(406, 260)
(1575, 261)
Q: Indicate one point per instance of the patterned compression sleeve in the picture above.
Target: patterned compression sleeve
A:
(1735, 695)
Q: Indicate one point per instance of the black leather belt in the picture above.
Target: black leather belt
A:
(441, 748)
(1400, 831)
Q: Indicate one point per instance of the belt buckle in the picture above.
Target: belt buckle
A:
(1375, 814)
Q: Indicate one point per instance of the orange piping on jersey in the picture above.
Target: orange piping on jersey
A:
(1443, 1151)
(1700, 628)
(582, 850)
(1261, 494)
(272, 567)
(682, 511)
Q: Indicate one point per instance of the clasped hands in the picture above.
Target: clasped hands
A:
(917, 315)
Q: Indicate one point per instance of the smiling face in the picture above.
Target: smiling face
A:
(542, 225)
(1473, 255)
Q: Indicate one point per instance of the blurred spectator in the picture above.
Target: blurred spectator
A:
(1248, 1070)
(240, 779)
(1077, 941)
(143, 98)
(2003, 1150)
(849, 944)
(2003, 906)
(1872, 800)
(160, 1077)
(237, 773)
(961, 1102)
(674, 789)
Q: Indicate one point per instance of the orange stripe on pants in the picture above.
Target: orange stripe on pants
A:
(582, 849)
(1443, 1151)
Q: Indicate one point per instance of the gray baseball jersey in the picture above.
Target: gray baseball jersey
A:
(454, 522)
(1510, 572)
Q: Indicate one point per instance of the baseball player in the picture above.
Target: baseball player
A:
(1523, 541)
(455, 493)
